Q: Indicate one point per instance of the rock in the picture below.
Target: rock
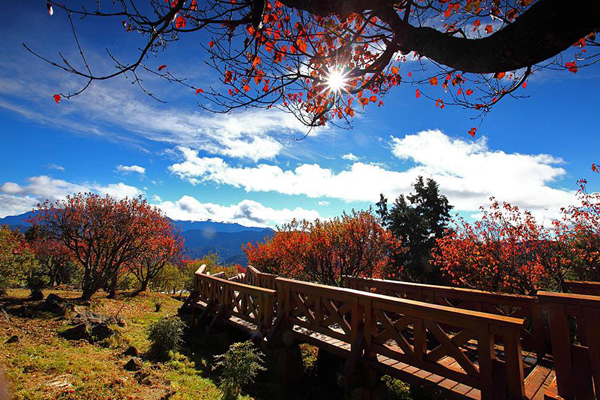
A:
(132, 351)
(134, 364)
(101, 331)
(24, 311)
(12, 339)
(78, 332)
(37, 295)
(55, 304)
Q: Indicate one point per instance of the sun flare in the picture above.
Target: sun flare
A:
(336, 81)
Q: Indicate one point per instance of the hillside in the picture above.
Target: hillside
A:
(201, 237)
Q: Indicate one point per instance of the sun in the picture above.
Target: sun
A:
(336, 81)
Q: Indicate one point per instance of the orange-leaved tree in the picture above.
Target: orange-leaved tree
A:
(507, 250)
(165, 246)
(579, 230)
(102, 233)
(323, 251)
(327, 60)
(54, 257)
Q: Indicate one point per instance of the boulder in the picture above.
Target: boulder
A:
(78, 332)
(134, 364)
(132, 351)
(101, 331)
(37, 295)
(24, 311)
(55, 304)
(12, 339)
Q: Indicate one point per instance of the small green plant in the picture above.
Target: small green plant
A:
(241, 363)
(165, 335)
(396, 389)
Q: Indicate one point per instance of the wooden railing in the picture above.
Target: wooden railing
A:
(411, 332)
(583, 287)
(533, 335)
(576, 351)
(250, 303)
(256, 278)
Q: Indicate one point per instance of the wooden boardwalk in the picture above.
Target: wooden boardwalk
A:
(457, 343)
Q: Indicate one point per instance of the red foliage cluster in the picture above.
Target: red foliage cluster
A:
(105, 235)
(324, 251)
(509, 251)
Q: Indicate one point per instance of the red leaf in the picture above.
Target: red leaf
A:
(228, 76)
(395, 70)
(489, 29)
(211, 44)
(194, 5)
(418, 93)
(472, 132)
(199, 91)
(301, 45)
(57, 98)
(499, 75)
(373, 99)
(246, 88)
(162, 67)
(180, 22)
(469, 92)
(524, 85)
(433, 81)
(50, 10)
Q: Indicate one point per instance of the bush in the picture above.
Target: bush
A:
(241, 363)
(396, 389)
(166, 335)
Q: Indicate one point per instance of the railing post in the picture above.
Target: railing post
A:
(537, 324)
(486, 355)
(561, 349)
(420, 339)
(515, 378)
(268, 311)
(368, 327)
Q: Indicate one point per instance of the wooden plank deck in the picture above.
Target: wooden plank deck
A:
(538, 378)
(458, 343)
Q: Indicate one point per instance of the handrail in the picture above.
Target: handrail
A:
(583, 287)
(258, 278)
(520, 306)
(402, 329)
(250, 303)
(576, 359)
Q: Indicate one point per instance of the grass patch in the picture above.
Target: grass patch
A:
(42, 365)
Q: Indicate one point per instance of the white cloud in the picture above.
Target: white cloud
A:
(246, 212)
(16, 198)
(252, 134)
(15, 205)
(468, 173)
(56, 167)
(131, 168)
(118, 190)
(350, 157)
(323, 203)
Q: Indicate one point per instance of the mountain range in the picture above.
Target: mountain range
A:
(201, 237)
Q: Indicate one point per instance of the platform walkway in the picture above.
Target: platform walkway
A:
(458, 343)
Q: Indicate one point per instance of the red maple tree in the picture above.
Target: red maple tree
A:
(103, 234)
(323, 251)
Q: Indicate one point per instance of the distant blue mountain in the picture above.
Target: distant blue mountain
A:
(201, 237)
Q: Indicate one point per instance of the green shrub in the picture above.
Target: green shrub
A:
(241, 363)
(396, 389)
(165, 335)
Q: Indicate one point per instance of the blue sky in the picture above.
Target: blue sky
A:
(246, 167)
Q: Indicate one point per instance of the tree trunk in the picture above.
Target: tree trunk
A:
(113, 286)
(144, 286)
